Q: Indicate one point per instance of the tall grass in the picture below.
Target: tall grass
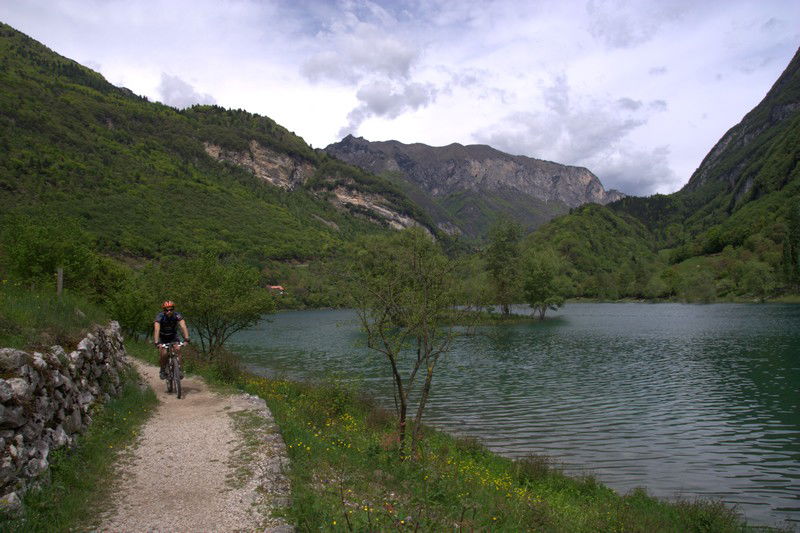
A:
(346, 475)
(37, 318)
(81, 477)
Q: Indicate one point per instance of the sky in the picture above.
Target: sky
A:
(638, 92)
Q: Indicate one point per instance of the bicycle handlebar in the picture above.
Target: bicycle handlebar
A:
(168, 344)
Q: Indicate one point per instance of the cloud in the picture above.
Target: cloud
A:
(389, 100)
(629, 104)
(625, 24)
(351, 49)
(177, 93)
(589, 132)
(657, 71)
(635, 171)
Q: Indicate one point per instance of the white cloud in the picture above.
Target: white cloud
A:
(609, 84)
(177, 93)
(388, 100)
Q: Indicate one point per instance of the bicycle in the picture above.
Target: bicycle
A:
(174, 372)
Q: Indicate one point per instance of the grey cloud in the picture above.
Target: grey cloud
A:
(360, 44)
(355, 59)
(556, 96)
(635, 172)
(658, 105)
(771, 25)
(657, 71)
(629, 103)
(624, 24)
(592, 134)
(385, 99)
(177, 93)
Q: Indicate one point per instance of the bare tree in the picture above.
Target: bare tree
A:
(404, 289)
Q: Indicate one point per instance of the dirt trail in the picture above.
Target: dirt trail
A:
(207, 462)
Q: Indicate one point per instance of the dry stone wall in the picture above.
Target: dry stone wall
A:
(46, 401)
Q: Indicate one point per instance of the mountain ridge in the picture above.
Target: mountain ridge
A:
(478, 170)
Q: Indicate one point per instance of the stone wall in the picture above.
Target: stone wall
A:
(46, 401)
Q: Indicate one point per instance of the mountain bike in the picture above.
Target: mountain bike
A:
(174, 372)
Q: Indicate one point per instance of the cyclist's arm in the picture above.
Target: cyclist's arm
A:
(156, 331)
(184, 329)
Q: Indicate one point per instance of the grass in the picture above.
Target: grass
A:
(346, 475)
(32, 319)
(80, 479)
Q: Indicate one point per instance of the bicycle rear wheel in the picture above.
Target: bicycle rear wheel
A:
(176, 375)
(170, 357)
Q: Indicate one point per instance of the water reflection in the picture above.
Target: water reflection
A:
(682, 399)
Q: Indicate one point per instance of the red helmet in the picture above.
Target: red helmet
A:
(167, 303)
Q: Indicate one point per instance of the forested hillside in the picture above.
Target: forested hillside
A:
(138, 178)
(733, 231)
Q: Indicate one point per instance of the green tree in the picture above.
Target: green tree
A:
(791, 249)
(135, 301)
(36, 247)
(758, 280)
(404, 290)
(544, 285)
(502, 262)
(218, 298)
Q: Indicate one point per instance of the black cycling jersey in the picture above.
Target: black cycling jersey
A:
(169, 326)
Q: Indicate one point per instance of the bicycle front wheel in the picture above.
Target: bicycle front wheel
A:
(176, 376)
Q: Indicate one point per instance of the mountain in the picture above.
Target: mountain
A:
(469, 186)
(145, 180)
(747, 184)
(733, 230)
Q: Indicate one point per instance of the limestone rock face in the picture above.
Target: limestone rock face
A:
(271, 166)
(538, 189)
(289, 173)
(443, 170)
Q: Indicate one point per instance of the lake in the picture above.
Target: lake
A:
(685, 400)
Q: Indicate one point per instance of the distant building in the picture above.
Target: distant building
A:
(277, 288)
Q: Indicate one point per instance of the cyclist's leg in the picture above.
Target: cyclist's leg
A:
(162, 360)
(179, 356)
(163, 354)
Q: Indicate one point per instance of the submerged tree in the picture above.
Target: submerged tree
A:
(404, 291)
(502, 262)
(543, 284)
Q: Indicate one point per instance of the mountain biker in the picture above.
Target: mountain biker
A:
(165, 330)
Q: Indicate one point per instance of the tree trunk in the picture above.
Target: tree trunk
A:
(423, 400)
(59, 281)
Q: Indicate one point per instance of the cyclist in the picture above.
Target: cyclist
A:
(165, 330)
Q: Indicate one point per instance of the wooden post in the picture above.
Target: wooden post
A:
(59, 281)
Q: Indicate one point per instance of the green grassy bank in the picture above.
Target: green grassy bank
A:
(346, 476)
(80, 478)
(36, 318)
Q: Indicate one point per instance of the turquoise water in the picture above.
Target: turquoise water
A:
(686, 400)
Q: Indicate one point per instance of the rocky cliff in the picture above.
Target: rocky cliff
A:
(730, 164)
(346, 193)
(478, 172)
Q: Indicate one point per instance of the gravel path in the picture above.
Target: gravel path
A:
(207, 462)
